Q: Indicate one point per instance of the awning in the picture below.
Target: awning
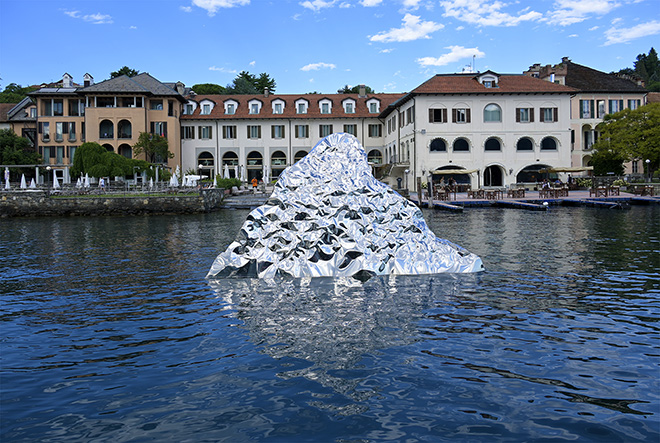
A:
(453, 171)
(568, 169)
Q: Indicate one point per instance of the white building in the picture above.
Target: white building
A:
(248, 130)
(503, 128)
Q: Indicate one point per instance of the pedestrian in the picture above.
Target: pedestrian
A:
(102, 184)
(255, 182)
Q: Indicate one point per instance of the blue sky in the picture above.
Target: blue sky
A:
(317, 45)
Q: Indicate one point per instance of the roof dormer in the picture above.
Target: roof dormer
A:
(206, 106)
(278, 106)
(230, 107)
(349, 105)
(373, 105)
(254, 106)
(325, 106)
(489, 79)
(301, 106)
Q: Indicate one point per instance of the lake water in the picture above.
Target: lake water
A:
(110, 332)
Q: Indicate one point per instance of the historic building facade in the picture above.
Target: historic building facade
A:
(597, 94)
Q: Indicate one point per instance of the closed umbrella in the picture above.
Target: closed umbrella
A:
(33, 185)
(56, 184)
(7, 186)
(151, 183)
(86, 182)
(79, 183)
(215, 181)
(243, 176)
(226, 174)
(236, 171)
(23, 182)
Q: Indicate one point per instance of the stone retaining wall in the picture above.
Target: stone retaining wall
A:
(40, 203)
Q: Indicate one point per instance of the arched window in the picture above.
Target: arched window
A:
(525, 144)
(205, 159)
(299, 155)
(492, 113)
(109, 147)
(375, 157)
(548, 144)
(493, 144)
(124, 129)
(106, 129)
(438, 145)
(125, 150)
(255, 158)
(493, 176)
(230, 159)
(461, 144)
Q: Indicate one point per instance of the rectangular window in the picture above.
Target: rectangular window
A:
(59, 130)
(277, 109)
(277, 131)
(59, 154)
(44, 129)
(325, 130)
(74, 107)
(302, 108)
(410, 114)
(325, 108)
(549, 115)
(351, 129)
(635, 166)
(72, 131)
(373, 107)
(46, 154)
(33, 112)
(460, 115)
(600, 108)
(524, 115)
(188, 109)
(254, 108)
(187, 132)
(634, 104)
(205, 132)
(438, 115)
(586, 109)
(159, 128)
(616, 106)
(375, 130)
(82, 132)
(58, 107)
(47, 108)
(229, 132)
(302, 131)
(350, 109)
(72, 153)
(231, 109)
(156, 105)
(170, 108)
(254, 131)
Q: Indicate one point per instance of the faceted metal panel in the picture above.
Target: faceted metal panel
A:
(329, 217)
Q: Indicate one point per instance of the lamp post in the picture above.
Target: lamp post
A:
(648, 168)
(48, 169)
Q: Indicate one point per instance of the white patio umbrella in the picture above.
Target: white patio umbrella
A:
(151, 183)
(226, 174)
(236, 171)
(86, 182)
(176, 175)
(243, 175)
(56, 184)
(33, 185)
(215, 181)
(7, 186)
(264, 173)
(79, 183)
(23, 182)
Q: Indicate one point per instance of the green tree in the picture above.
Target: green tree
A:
(124, 71)
(631, 135)
(14, 93)
(93, 159)
(606, 161)
(647, 66)
(354, 90)
(263, 82)
(246, 83)
(15, 150)
(208, 89)
(155, 147)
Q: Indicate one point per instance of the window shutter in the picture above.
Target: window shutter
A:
(555, 114)
(65, 128)
(210, 131)
(467, 116)
(517, 115)
(165, 129)
(41, 127)
(531, 115)
(621, 105)
(153, 127)
(259, 131)
(444, 115)
(591, 108)
(453, 115)
(52, 152)
(248, 131)
(430, 115)
(542, 115)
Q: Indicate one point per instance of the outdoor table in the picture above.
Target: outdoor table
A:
(477, 193)
(600, 191)
(647, 190)
(516, 193)
(494, 194)
(613, 190)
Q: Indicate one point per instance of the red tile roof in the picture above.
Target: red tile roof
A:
(507, 84)
(289, 111)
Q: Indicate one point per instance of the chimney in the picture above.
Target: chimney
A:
(362, 91)
(266, 92)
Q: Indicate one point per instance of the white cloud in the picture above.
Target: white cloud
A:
(317, 66)
(252, 63)
(225, 70)
(96, 19)
(487, 13)
(573, 36)
(568, 12)
(624, 35)
(212, 6)
(185, 8)
(132, 27)
(413, 29)
(317, 5)
(460, 28)
(386, 51)
(593, 28)
(456, 53)
(370, 3)
(345, 5)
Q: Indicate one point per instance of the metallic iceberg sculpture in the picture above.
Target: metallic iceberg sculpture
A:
(329, 217)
